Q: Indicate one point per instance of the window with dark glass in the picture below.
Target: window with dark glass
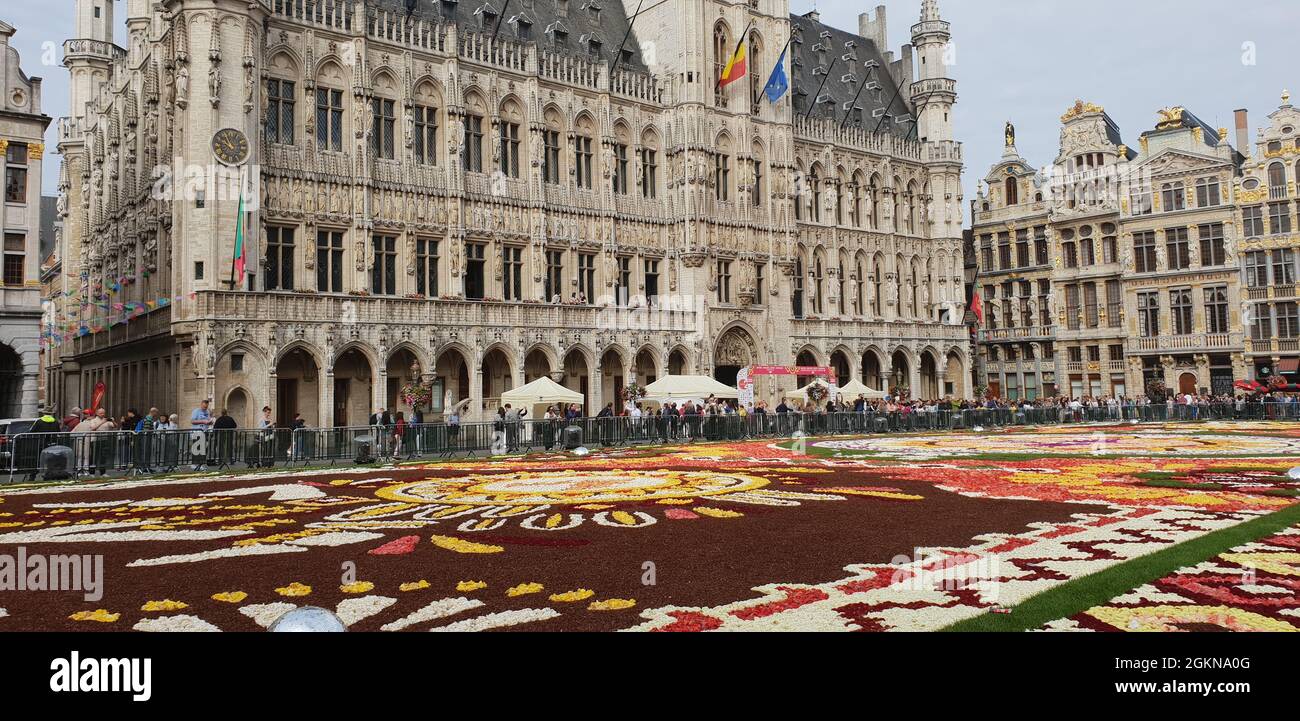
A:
(329, 119)
(1216, 309)
(1213, 251)
(619, 176)
(1252, 221)
(279, 258)
(582, 161)
(474, 270)
(472, 153)
(280, 101)
(329, 261)
(651, 270)
(649, 173)
(1180, 310)
(15, 259)
(383, 274)
(426, 135)
(426, 267)
(551, 156)
(554, 275)
(587, 275)
(383, 141)
(1144, 251)
(1178, 254)
(512, 272)
(16, 173)
(1148, 314)
(509, 150)
(724, 281)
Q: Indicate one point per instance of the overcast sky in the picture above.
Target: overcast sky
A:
(1019, 60)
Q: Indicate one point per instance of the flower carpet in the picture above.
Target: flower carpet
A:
(892, 532)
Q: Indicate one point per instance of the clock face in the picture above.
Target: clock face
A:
(230, 146)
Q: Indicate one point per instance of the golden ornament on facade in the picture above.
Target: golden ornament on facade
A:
(1079, 108)
(1170, 118)
(36, 151)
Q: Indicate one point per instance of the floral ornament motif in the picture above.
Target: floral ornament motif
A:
(524, 589)
(230, 596)
(357, 587)
(580, 594)
(413, 585)
(99, 615)
(817, 392)
(294, 589)
(468, 586)
(164, 605)
(612, 604)
(462, 546)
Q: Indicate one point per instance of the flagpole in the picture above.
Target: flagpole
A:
(618, 54)
(898, 90)
(500, 17)
(853, 102)
(819, 90)
(733, 53)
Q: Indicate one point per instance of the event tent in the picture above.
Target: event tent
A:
(684, 388)
(542, 391)
(855, 388)
(849, 392)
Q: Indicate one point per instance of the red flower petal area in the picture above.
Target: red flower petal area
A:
(397, 547)
(690, 622)
(680, 514)
(794, 598)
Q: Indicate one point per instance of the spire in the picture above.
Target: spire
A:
(929, 10)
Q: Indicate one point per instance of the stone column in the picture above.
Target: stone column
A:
(326, 399)
(475, 410)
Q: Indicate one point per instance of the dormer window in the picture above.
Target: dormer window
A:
(592, 7)
(523, 27)
(593, 47)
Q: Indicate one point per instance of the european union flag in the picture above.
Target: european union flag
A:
(777, 84)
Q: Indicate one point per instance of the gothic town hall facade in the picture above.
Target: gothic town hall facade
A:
(476, 193)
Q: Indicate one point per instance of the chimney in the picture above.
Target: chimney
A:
(1243, 132)
(875, 29)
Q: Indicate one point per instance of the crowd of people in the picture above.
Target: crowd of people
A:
(148, 447)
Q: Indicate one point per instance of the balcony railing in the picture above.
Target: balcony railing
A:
(1188, 342)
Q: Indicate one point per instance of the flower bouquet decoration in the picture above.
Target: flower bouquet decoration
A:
(415, 394)
(633, 392)
(817, 392)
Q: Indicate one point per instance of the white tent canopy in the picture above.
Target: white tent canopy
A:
(542, 391)
(849, 391)
(684, 388)
(855, 388)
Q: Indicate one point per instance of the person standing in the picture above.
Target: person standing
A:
(201, 422)
(224, 437)
(399, 433)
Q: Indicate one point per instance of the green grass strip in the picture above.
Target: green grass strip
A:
(1098, 588)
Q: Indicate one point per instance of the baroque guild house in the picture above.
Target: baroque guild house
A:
(473, 194)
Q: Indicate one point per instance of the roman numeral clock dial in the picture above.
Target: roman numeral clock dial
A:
(230, 146)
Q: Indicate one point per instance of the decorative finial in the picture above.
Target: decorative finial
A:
(1286, 97)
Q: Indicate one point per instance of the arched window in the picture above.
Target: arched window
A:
(510, 138)
(649, 172)
(1277, 181)
(841, 276)
(583, 157)
(857, 291)
(839, 200)
(721, 53)
(722, 168)
(753, 61)
(873, 206)
(427, 108)
(898, 204)
(796, 296)
(472, 153)
(1012, 191)
(878, 283)
(815, 186)
(819, 278)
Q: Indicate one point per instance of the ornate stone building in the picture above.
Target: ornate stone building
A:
(1112, 268)
(22, 145)
(1266, 206)
(478, 194)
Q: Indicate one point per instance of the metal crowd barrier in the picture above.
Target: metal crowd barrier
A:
(108, 453)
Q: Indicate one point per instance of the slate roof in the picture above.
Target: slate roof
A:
(603, 20)
(809, 66)
(607, 22)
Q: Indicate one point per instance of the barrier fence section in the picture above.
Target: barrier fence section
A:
(107, 453)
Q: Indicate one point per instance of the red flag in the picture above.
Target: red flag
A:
(977, 304)
(98, 398)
